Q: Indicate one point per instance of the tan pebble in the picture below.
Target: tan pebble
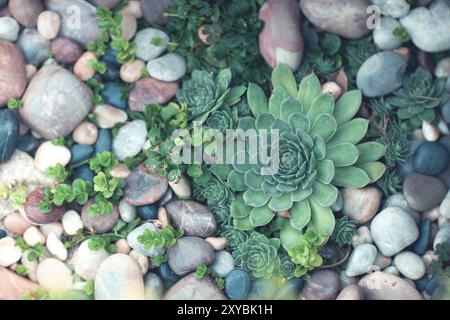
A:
(131, 72)
(85, 133)
(48, 155)
(48, 24)
(32, 236)
(363, 236)
(143, 261)
(429, 258)
(201, 35)
(54, 227)
(82, 68)
(430, 132)
(404, 52)
(432, 214)
(181, 188)
(36, 135)
(418, 134)
(332, 88)
(134, 8)
(163, 217)
(218, 243)
(129, 26)
(120, 172)
(122, 246)
(382, 262)
(31, 70)
(351, 292)
(15, 223)
(107, 117)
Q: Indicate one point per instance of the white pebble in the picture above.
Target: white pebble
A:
(362, 236)
(48, 155)
(9, 29)
(143, 261)
(33, 236)
(72, 222)
(9, 252)
(127, 211)
(410, 265)
(430, 132)
(54, 227)
(48, 24)
(56, 247)
(53, 274)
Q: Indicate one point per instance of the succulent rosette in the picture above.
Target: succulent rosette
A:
(319, 149)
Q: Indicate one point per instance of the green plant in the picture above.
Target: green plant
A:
(103, 161)
(441, 265)
(98, 66)
(391, 182)
(160, 259)
(201, 271)
(402, 34)
(287, 267)
(235, 237)
(356, 52)
(344, 231)
(204, 94)
(96, 87)
(418, 97)
(78, 191)
(96, 243)
(18, 195)
(319, 149)
(220, 282)
(39, 294)
(259, 255)
(108, 187)
(89, 287)
(58, 172)
(21, 270)
(15, 103)
(34, 252)
(165, 238)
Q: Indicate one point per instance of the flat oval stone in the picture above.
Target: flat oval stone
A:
(119, 278)
(237, 284)
(26, 12)
(100, 224)
(87, 262)
(169, 67)
(361, 260)
(66, 50)
(431, 158)
(107, 116)
(191, 288)
(130, 139)
(145, 50)
(410, 265)
(194, 218)
(143, 188)
(188, 253)
(322, 285)
(154, 10)
(10, 253)
(33, 212)
(281, 40)
(154, 287)
(151, 91)
(384, 36)
(385, 286)
(413, 190)
(13, 75)
(54, 275)
(361, 204)
(34, 47)
(9, 29)
(9, 134)
(134, 243)
(55, 102)
(393, 8)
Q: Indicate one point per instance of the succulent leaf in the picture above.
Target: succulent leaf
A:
(257, 100)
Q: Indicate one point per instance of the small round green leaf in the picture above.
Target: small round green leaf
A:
(261, 216)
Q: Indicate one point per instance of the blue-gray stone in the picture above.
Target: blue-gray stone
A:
(290, 290)
(81, 152)
(84, 173)
(169, 67)
(112, 72)
(9, 134)
(166, 198)
(104, 141)
(421, 245)
(34, 47)
(431, 158)
(148, 212)
(384, 37)
(167, 274)
(113, 94)
(237, 284)
(421, 283)
(2, 233)
(111, 57)
(445, 111)
(3, 2)
(29, 144)
(432, 284)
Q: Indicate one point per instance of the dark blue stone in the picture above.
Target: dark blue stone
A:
(431, 158)
(432, 285)
(104, 141)
(110, 56)
(421, 245)
(84, 173)
(3, 2)
(290, 290)
(112, 72)
(148, 212)
(2, 233)
(9, 134)
(81, 152)
(445, 111)
(421, 283)
(113, 95)
(29, 144)
(167, 274)
(165, 199)
(237, 284)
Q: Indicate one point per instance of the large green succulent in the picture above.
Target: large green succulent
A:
(259, 255)
(320, 149)
(416, 99)
(205, 94)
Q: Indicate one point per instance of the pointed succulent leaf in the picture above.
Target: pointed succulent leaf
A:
(256, 99)
(261, 216)
(374, 170)
(325, 194)
(243, 224)
(322, 218)
(275, 101)
(255, 198)
(370, 151)
(299, 121)
(347, 106)
(351, 132)
(343, 154)
(236, 181)
(223, 81)
(288, 107)
(300, 214)
(351, 177)
(324, 126)
(234, 95)
(253, 180)
(324, 103)
(319, 148)
(264, 120)
(289, 236)
(283, 77)
(308, 91)
(239, 209)
(281, 203)
(325, 171)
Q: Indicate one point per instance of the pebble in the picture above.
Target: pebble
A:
(32, 236)
(429, 258)
(194, 218)
(432, 284)
(33, 212)
(345, 18)
(105, 3)
(81, 152)
(108, 117)
(122, 246)
(289, 290)
(191, 288)
(445, 111)
(87, 262)
(322, 285)
(128, 26)
(163, 217)
(361, 205)
(431, 158)
(9, 252)
(53, 274)
(28, 144)
(432, 214)
(55, 102)
(100, 224)
(34, 47)
(443, 236)
(133, 242)
(166, 198)
(385, 286)
(428, 27)
(415, 184)
(167, 274)
(381, 74)
(9, 134)
(143, 188)
(148, 212)
(218, 243)
(104, 141)
(13, 75)
(56, 247)
(444, 208)
(31, 71)
(393, 8)
(48, 155)
(143, 262)
(82, 68)
(119, 278)
(281, 40)
(3, 233)
(410, 265)
(72, 223)
(84, 173)
(237, 284)
(9, 29)
(362, 236)
(154, 287)
(181, 188)
(54, 227)
(26, 12)
(188, 253)
(442, 221)
(30, 265)
(84, 29)
(351, 292)
(169, 67)
(382, 262)
(130, 139)
(48, 24)
(442, 69)
(383, 37)
(151, 91)
(66, 50)
(133, 7)
(421, 245)
(145, 50)
(430, 132)
(153, 10)
(361, 260)
(331, 88)
(131, 72)
(112, 94)
(15, 223)
(393, 230)
(223, 263)
(398, 200)
(14, 286)
(85, 133)
(127, 211)
(111, 73)
(120, 172)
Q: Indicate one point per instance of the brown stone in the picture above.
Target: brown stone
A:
(26, 12)
(144, 188)
(35, 214)
(13, 286)
(99, 224)
(150, 91)
(66, 50)
(13, 74)
(191, 288)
